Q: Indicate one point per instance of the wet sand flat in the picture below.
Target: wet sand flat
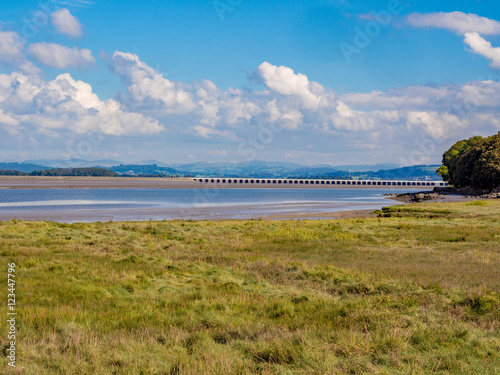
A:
(22, 182)
(277, 211)
(32, 182)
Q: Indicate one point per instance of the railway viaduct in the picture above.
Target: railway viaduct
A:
(322, 183)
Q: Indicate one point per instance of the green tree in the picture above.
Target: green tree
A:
(443, 172)
(473, 162)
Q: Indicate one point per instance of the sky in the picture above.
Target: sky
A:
(310, 82)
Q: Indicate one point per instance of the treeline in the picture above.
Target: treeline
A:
(6, 172)
(66, 172)
(473, 162)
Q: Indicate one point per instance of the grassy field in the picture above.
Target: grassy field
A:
(416, 291)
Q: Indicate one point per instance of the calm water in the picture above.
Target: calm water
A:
(142, 204)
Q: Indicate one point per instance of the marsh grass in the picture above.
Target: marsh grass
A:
(415, 291)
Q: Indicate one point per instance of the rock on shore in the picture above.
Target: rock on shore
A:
(441, 192)
(470, 192)
(414, 197)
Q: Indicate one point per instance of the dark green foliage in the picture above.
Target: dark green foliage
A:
(4, 172)
(93, 171)
(487, 172)
(444, 172)
(474, 162)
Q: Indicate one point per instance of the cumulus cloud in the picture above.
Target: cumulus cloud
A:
(387, 120)
(148, 87)
(457, 22)
(482, 47)
(150, 92)
(66, 104)
(58, 56)
(209, 132)
(293, 102)
(436, 125)
(346, 118)
(11, 47)
(12, 53)
(284, 81)
(66, 23)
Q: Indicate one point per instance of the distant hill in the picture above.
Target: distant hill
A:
(67, 172)
(22, 167)
(56, 163)
(367, 167)
(249, 169)
(408, 173)
(144, 170)
(74, 163)
(153, 162)
(290, 170)
(261, 169)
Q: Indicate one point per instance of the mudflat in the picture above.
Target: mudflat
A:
(32, 182)
(42, 182)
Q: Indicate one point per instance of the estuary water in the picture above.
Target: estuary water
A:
(88, 205)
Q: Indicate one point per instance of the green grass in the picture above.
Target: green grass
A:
(416, 291)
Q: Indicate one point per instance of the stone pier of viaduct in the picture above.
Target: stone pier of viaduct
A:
(273, 182)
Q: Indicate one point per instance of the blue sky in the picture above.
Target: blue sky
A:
(235, 80)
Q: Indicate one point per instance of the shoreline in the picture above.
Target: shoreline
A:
(334, 215)
(235, 212)
(448, 194)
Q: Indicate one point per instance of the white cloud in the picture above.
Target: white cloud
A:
(284, 81)
(12, 53)
(65, 104)
(237, 106)
(469, 25)
(7, 120)
(347, 119)
(292, 119)
(201, 103)
(414, 96)
(292, 102)
(58, 56)
(148, 87)
(457, 22)
(208, 132)
(484, 48)
(436, 125)
(66, 23)
(11, 47)
(305, 112)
